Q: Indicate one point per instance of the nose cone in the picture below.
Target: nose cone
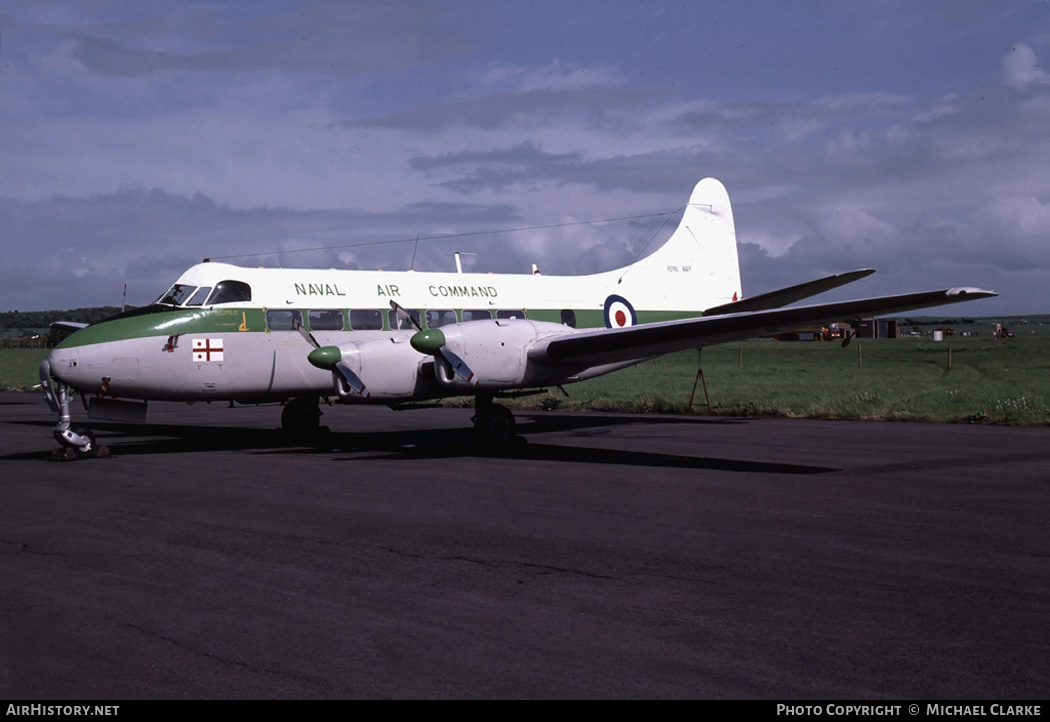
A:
(65, 364)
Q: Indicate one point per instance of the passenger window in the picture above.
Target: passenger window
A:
(397, 321)
(439, 318)
(199, 296)
(283, 319)
(568, 317)
(230, 292)
(366, 319)
(511, 313)
(475, 314)
(325, 320)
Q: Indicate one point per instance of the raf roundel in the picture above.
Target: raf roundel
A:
(619, 313)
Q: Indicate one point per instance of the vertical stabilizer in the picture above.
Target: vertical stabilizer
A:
(698, 266)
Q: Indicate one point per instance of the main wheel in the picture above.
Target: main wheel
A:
(301, 415)
(496, 424)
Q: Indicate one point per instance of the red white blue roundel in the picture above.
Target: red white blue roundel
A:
(619, 313)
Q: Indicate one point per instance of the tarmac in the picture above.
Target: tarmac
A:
(604, 556)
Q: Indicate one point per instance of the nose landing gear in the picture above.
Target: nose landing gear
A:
(76, 443)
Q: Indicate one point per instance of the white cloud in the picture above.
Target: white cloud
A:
(1024, 215)
(555, 75)
(1021, 68)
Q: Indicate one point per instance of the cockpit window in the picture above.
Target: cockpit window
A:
(230, 292)
(199, 296)
(177, 295)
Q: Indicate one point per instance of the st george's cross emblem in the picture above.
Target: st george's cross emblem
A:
(207, 349)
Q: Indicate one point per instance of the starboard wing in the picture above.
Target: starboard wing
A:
(613, 345)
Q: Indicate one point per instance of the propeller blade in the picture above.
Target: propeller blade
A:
(330, 357)
(307, 335)
(432, 342)
(459, 366)
(405, 314)
(353, 380)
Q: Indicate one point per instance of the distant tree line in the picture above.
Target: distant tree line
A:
(934, 321)
(43, 319)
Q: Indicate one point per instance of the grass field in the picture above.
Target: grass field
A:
(990, 382)
(18, 368)
(1000, 382)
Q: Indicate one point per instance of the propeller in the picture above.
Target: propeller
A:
(432, 341)
(331, 358)
(406, 315)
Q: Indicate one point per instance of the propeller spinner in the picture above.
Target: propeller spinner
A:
(432, 341)
(331, 358)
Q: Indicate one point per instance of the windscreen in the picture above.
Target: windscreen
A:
(177, 295)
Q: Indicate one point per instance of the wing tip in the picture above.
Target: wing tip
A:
(969, 292)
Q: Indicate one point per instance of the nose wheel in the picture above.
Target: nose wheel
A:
(78, 443)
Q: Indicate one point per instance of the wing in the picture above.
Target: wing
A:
(612, 345)
(784, 296)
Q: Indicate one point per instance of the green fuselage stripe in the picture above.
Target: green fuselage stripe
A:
(179, 321)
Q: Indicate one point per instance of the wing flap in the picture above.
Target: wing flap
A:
(613, 345)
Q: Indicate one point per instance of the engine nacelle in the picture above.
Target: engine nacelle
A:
(388, 365)
(496, 351)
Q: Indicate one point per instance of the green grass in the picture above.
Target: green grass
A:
(990, 382)
(18, 368)
(999, 382)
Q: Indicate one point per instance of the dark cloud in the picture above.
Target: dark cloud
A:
(328, 38)
(84, 249)
(597, 107)
(932, 187)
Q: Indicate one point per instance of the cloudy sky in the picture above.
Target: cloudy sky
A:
(139, 137)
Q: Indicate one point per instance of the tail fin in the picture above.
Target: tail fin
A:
(697, 267)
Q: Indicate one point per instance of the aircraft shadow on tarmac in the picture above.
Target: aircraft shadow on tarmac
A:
(421, 444)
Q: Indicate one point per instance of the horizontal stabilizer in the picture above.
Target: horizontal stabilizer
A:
(66, 326)
(784, 296)
(613, 345)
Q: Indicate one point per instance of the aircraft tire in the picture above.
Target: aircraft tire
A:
(301, 415)
(497, 425)
(92, 450)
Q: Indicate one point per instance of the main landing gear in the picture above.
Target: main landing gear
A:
(493, 423)
(78, 443)
(301, 420)
(302, 415)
